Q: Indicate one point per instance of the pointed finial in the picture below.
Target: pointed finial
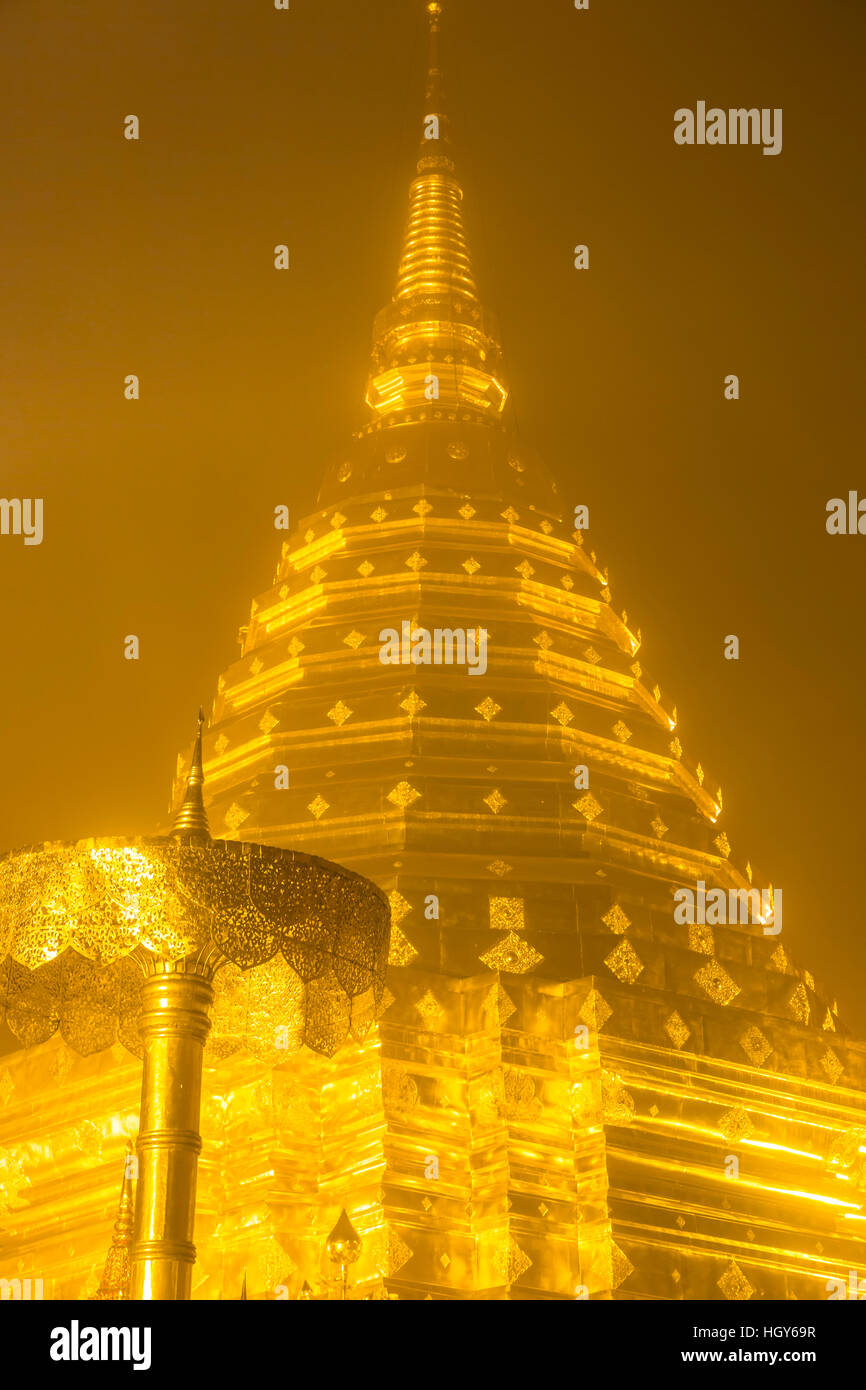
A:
(191, 818)
(433, 90)
(244, 1289)
(114, 1285)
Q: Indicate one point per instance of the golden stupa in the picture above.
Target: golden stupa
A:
(569, 1094)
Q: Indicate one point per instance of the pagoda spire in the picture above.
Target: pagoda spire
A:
(436, 350)
(114, 1285)
(191, 817)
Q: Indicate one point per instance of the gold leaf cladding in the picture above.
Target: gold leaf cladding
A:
(318, 806)
(756, 1047)
(734, 1284)
(715, 981)
(507, 914)
(513, 956)
(495, 800)
(403, 795)
(595, 1010)
(616, 920)
(588, 807)
(677, 1030)
(488, 709)
(624, 962)
(736, 1124)
(340, 713)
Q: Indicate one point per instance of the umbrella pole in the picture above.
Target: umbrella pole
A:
(174, 1025)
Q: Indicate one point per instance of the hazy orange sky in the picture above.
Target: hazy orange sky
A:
(259, 127)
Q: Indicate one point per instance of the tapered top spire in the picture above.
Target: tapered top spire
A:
(191, 817)
(435, 348)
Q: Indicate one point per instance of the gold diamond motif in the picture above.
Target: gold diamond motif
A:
(499, 868)
(309, 536)
(423, 508)
(567, 582)
(256, 665)
(510, 1261)
(699, 773)
(399, 1253)
(701, 938)
(616, 920)
(722, 844)
(400, 951)
(513, 955)
(525, 569)
(399, 906)
(624, 962)
(318, 574)
(755, 1046)
(588, 807)
(621, 731)
(507, 914)
(715, 981)
(235, 816)
(505, 1005)
(221, 744)
(379, 514)
(488, 709)
(562, 714)
(337, 520)
(365, 569)
(415, 562)
(592, 656)
(510, 515)
(799, 1004)
(340, 713)
(403, 795)
(780, 961)
(620, 1266)
(296, 646)
(676, 748)
(618, 1107)
(636, 670)
(832, 1066)
(413, 704)
(677, 1030)
(544, 640)
(495, 800)
(658, 828)
(736, 1124)
(267, 722)
(734, 1284)
(595, 1010)
(318, 806)
(354, 639)
(429, 1008)
(467, 511)
(471, 565)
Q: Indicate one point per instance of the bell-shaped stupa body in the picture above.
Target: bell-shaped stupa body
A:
(585, 1096)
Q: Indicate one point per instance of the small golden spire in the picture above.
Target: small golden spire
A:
(191, 817)
(114, 1285)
